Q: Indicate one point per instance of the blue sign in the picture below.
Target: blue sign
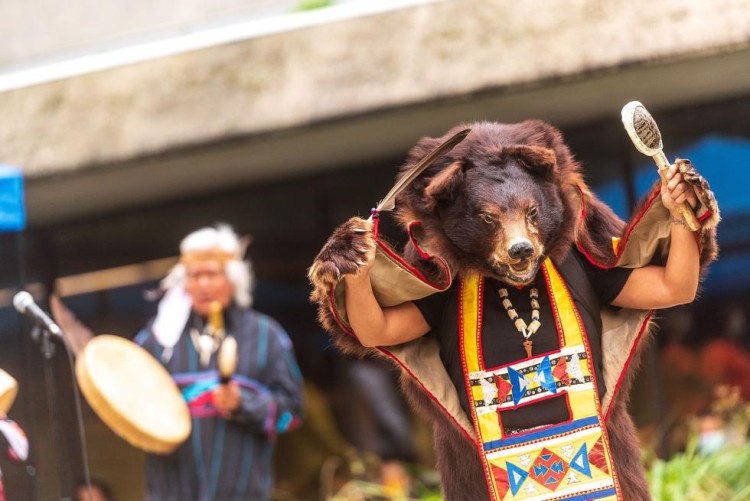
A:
(724, 163)
(12, 211)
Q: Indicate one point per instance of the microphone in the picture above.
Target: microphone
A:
(24, 304)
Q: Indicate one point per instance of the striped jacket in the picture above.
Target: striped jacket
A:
(228, 459)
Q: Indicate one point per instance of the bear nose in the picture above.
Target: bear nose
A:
(521, 250)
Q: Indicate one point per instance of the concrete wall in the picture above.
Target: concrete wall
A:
(43, 29)
(359, 90)
(395, 59)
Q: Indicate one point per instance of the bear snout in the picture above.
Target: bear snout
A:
(521, 250)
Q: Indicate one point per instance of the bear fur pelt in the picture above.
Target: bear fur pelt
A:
(498, 158)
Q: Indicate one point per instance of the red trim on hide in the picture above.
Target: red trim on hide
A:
(627, 363)
(432, 397)
(624, 240)
(412, 269)
(332, 306)
(399, 259)
(631, 227)
(390, 355)
(404, 367)
(623, 243)
(705, 216)
(414, 242)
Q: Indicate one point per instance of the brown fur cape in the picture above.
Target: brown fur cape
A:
(588, 223)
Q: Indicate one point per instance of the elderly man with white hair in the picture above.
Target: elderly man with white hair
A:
(207, 298)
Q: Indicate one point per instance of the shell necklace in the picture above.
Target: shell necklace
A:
(526, 330)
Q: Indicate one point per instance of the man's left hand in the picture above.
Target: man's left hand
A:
(227, 397)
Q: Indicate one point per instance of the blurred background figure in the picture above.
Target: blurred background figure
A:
(238, 405)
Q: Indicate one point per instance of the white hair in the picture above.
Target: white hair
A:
(221, 237)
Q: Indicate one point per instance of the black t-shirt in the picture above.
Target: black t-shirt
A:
(591, 288)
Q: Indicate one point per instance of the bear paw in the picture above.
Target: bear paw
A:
(708, 212)
(351, 247)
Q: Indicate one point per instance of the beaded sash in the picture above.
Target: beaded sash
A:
(569, 460)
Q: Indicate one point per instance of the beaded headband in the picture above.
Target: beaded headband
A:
(208, 255)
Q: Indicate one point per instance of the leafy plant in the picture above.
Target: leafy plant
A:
(704, 473)
(361, 478)
(722, 476)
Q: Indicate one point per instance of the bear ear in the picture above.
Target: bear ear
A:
(537, 159)
(443, 185)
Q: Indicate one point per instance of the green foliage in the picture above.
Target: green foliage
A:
(721, 475)
(312, 5)
(691, 476)
(361, 478)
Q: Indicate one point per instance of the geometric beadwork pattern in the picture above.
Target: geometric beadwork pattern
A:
(548, 469)
(501, 480)
(520, 384)
(596, 456)
(516, 477)
(580, 461)
(503, 388)
(561, 371)
(563, 461)
(514, 384)
(557, 469)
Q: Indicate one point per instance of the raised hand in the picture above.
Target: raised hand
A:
(349, 250)
(675, 190)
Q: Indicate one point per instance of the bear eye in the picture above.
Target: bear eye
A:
(533, 212)
(488, 218)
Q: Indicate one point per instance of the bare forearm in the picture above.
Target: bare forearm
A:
(653, 287)
(377, 326)
(681, 273)
(365, 314)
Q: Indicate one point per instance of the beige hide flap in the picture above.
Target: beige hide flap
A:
(621, 331)
(393, 282)
(648, 240)
(422, 357)
(646, 243)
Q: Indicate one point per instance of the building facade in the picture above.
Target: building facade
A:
(137, 124)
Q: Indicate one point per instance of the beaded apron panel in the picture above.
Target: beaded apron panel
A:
(569, 460)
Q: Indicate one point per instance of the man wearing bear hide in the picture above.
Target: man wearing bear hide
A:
(518, 309)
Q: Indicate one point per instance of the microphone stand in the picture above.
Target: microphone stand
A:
(44, 338)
